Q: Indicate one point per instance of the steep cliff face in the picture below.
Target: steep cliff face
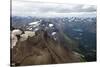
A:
(41, 49)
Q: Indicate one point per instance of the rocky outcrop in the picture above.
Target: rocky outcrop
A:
(41, 49)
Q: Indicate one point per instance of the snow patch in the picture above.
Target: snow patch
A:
(36, 29)
(29, 33)
(51, 25)
(13, 40)
(23, 37)
(16, 32)
(26, 35)
(34, 24)
(53, 33)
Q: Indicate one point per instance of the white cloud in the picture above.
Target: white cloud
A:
(29, 8)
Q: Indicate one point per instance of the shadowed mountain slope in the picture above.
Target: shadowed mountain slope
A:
(41, 49)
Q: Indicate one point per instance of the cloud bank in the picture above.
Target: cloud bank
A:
(29, 8)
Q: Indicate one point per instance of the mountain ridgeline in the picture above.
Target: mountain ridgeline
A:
(56, 40)
(42, 49)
